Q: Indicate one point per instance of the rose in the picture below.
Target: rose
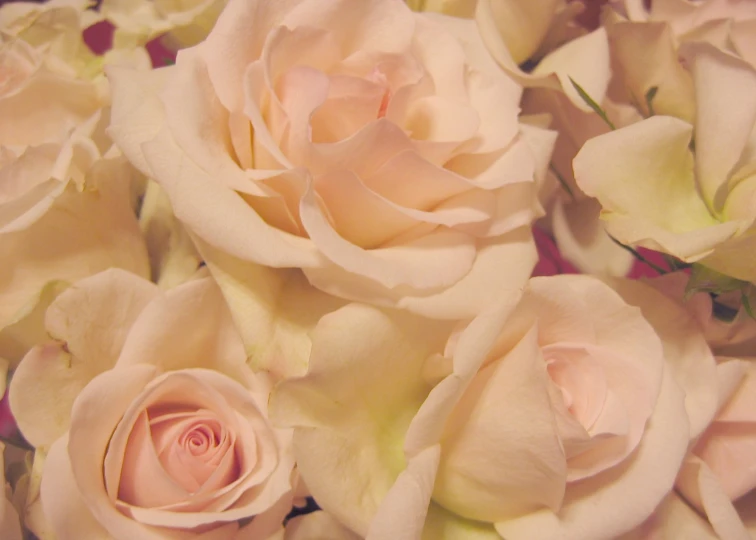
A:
(558, 414)
(385, 175)
(657, 193)
(646, 47)
(151, 423)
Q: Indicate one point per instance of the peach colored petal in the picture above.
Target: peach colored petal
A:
(725, 117)
(635, 193)
(274, 311)
(465, 299)
(351, 409)
(673, 518)
(612, 504)
(137, 113)
(686, 351)
(701, 486)
(62, 501)
(241, 231)
(646, 56)
(94, 317)
(402, 514)
(445, 525)
(81, 234)
(478, 477)
(450, 254)
(188, 326)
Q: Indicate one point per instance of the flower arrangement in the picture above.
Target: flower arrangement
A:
(378, 269)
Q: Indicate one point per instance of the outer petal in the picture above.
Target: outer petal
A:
(672, 519)
(502, 265)
(197, 200)
(699, 484)
(726, 116)
(137, 113)
(274, 310)
(522, 25)
(620, 499)
(686, 352)
(646, 57)
(186, 327)
(643, 177)
(402, 513)
(94, 316)
(317, 526)
(481, 479)
(352, 409)
(444, 525)
(61, 499)
(81, 234)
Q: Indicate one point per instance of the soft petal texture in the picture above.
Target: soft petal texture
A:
(549, 404)
(50, 378)
(275, 311)
(646, 58)
(596, 509)
(395, 179)
(673, 518)
(353, 406)
(80, 234)
(699, 484)
(635, 194)
(154, 423)
(686, 351)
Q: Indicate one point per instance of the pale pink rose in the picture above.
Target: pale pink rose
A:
(563, 413)
(695, 202)
(151, 424)
(384, 173)
(647, 42)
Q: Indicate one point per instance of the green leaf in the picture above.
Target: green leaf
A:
(562, 181)
(704, 279)
(592, 104)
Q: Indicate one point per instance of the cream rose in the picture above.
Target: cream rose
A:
(152, 425)
(698, 205)
(384, 174)
(560, 414)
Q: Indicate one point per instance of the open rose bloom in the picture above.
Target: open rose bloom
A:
(283, 284)
(361, 142)
(146, 416)
(550, 416)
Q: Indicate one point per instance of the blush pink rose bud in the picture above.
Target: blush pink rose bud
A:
(150, 422)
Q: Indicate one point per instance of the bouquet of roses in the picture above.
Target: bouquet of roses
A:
(378, 269)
